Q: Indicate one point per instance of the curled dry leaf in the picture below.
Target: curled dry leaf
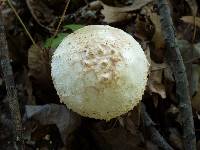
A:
(116, 14)
(190, 53)
(157, 37)
(117, 138)
(40, 75)
(193, 6)
(155, 84)
(191, 20)
(64, 119)
(196, 81)
(38, 62)
(112, 15)
(141, 31)
(42, 14)
(175, 138)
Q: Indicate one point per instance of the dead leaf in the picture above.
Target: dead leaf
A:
(64, 119)
(117, 139)
(190, 20)
(175, 139)
(195, 79)
(113, 15)
(42, 14)
(172, 110)
(189, 51)
(141, 30)
(137, 4)
(168, 74)
(132, 121)
(157, 38)
(193, 6)
(40, 74)
(198, 145)
(151, 146)
(38, 62)
(116, 14)
(196, 86)
(155, 84)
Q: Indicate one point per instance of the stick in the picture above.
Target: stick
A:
(11, 90)
(62, 17)
(23, 25)
(175, 62)
(156, 138)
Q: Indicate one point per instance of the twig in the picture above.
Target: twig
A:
(175, 62)
(62, 17)
(155, 135)
(195, 29)
(10, 87)
(26, 30)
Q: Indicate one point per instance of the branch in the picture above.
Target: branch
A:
(175, 62)
(156, 138)
(10, 87)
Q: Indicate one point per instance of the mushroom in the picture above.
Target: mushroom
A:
(99, 72)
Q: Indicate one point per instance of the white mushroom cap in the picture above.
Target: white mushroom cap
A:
(99, 72)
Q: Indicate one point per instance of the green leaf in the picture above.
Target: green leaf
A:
(73, 27)
(54, 42)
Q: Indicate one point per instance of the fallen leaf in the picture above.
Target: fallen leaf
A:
(168, 73)
(195, 79)
(175, 138)
(64, 119)
(193, 6)
(196, 88)
(141, 31)
(40, 74)
(39, 67)
(137, 4)
(157, 38)
(117, 139)
(189, 51)
(42, 14)
(113, 15)
(155, 84)
(151, 146)
(116, 14)
(190, 20)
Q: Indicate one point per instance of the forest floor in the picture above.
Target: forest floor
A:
(48, 124)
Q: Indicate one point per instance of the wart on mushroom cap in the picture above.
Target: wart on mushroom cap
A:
(99, 72)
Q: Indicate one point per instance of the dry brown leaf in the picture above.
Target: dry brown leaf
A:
(116, 14)
(42, 14)
(137, 4)
(155, 84)
(157, 37)
(175, 138)
(141, 31)
(113, 15)
(193, 6)
(196, 101)
(65, 120)
(190, 20)
(38, 63)
(40, 74)
(196, 87)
